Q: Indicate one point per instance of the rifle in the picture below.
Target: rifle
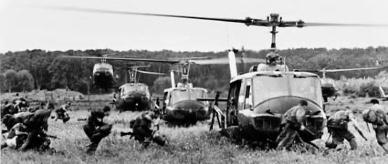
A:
(360, 132)
(122, 134)
(367, 125)
(82, 119)
(51, 136)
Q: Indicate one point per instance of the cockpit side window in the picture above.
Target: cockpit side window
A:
(248, 95)
(234, 92)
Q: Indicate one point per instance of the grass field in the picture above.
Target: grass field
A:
(187, 145)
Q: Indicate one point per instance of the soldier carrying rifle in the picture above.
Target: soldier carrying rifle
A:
(142, 130)
(96, 129)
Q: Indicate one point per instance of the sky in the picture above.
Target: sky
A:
(27, 24)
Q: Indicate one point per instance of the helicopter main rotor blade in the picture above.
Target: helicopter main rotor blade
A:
(90, 10)
(247, 21)
(343, 24)
(150, 73)
(306, 70)
(139, 66)
(353, 69)
(225, 61)
(83, 57)
(126, 59)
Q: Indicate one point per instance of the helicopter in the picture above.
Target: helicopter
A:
(134, 95)
(258, 99)
(102, 75)
(180, 104)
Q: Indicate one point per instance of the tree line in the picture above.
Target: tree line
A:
(40, 69)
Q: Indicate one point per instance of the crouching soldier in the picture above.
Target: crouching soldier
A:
(377, 116)
(37, 138)
(96, 129)
(16, 136)
(11, 120)
(337, 126)
(292, 123)
(62, 114)
(143, 130)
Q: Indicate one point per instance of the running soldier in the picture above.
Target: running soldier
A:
(96, 129)
(377, 115)
(338, 127)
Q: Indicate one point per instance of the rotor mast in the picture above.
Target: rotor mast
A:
(274, 22)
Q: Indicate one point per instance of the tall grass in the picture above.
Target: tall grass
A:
(194, 144)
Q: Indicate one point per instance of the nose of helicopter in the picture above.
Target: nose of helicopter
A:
(189, 110)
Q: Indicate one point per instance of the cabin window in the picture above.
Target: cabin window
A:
(178, 95)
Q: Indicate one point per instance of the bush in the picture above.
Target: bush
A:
(370, 89)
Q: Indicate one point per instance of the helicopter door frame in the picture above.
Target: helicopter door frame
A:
(233, 105)
(248, 96)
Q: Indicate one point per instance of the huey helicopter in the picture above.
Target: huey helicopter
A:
(257, 100)
(134, 95)
(102, 72)
(181, 105)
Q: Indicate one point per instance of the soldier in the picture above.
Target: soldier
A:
(10, 120)
(36, 127)
(5, 108)
(143, 131)
(96, 129)
(62, 114)
(66, 107)
(292, 122)
(16, 136)
(337, 126)
(377, 116)
(272, 64)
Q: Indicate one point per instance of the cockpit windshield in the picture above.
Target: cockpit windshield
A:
(135, 87)
(187, 94)
(267, 87)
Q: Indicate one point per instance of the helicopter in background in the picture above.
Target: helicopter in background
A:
(180, 102)
(133, 95)
(258, 99)
(102, 75)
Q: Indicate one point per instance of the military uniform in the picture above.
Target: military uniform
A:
(62, 113)
(10, 120)
(96, 129)
(292, 122)
(377, 116)
(338, 127)
(36, 127)
(276, 67)
(143, 129)
(16, 136)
